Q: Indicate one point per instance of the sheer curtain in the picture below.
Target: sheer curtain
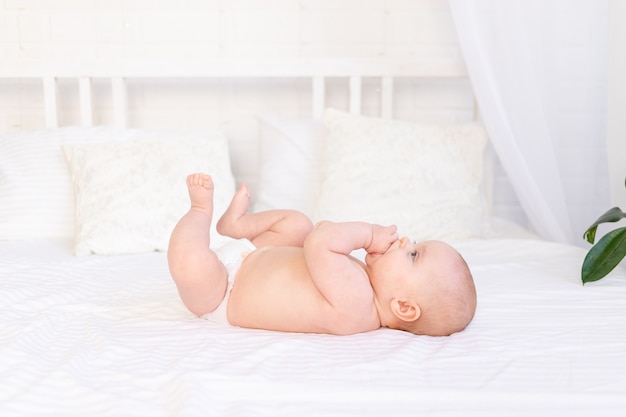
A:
(539, 71)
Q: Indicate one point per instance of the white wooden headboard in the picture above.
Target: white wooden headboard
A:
(315, 70)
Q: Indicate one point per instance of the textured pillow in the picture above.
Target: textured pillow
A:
(130, 194)
(425, 179)
(289, 164)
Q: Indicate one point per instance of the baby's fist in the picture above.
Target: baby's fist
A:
(382, 238)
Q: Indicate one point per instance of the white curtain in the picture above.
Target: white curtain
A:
(539, 70)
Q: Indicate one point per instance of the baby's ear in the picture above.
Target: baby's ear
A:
(406, 311)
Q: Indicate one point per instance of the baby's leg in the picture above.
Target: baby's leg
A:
(266, 228)
(199, 275)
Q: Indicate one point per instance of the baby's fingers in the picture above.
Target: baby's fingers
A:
(382, 238)
(393, 233)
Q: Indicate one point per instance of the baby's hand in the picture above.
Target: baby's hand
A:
(382, 238)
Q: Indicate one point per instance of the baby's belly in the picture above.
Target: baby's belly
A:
(274, 291)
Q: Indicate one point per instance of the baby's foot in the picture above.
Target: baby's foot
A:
(200, 188)
(227, 224)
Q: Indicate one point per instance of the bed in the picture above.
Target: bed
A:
(91, 323)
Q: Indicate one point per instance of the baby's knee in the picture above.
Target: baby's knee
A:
(300, 225)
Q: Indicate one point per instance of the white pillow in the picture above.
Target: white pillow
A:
(36, 199)
(425, 179)
(289, 164)
(130, 194)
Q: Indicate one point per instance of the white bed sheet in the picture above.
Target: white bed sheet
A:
(108, 336)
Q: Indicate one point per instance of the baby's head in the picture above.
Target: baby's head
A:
(424, 288)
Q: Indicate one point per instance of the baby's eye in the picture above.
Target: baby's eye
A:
(413, 254)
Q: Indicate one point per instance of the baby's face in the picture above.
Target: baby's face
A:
(430, 276)
(407, 266)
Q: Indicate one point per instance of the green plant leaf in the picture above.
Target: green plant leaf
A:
(604, 256)
(613, 215)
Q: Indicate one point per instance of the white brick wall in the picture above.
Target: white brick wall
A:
(106, 29)
(127, 29)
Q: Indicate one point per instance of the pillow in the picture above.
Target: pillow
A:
(289, 164)
(36, 200)
(130, 194)
(425, 179)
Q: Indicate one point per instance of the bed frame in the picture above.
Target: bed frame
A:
(316, 70)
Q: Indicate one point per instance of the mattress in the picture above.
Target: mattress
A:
(109, 336)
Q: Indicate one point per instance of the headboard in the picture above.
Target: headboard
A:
(318, 71)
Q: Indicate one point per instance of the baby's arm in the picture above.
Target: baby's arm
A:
(341, 280)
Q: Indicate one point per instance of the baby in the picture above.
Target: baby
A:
(285, 274)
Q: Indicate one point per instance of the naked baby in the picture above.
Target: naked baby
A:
(283, 273)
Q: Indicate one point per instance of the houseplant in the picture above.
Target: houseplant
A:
(608, 252)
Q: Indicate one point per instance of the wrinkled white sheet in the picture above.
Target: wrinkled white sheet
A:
(108, 336)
